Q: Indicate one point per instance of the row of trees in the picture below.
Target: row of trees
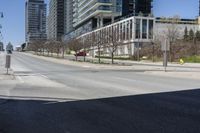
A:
(191, 35)
(95, 41)
(178, 47)
(49, 47)
(111, 40)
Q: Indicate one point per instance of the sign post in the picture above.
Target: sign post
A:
(8, 62)
(165, 49)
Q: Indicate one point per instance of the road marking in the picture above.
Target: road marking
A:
(44, 76)
(20, 79)
(86, 66)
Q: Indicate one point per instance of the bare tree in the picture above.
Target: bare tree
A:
(98, 39)
(36, 46)
(75, 45)
(172, 34)
(63, 44)
(51, 46)
(113, 40)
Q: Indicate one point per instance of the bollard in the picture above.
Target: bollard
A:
(8, 62)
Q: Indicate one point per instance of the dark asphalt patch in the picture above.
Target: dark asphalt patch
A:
(175, 112)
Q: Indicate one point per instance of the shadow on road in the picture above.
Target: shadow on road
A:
(174, 112)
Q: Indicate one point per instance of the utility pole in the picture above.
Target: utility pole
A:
(1, 36)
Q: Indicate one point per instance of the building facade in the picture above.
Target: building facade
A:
(135, 7)
(91, 14)
(97, 11)
(55, 20)
(35, 13)
(68, 16)
(129, 33)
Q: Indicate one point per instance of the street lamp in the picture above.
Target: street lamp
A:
(1, 16)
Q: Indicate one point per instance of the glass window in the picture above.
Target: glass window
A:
(151, 29)
(137, 28)
(144, 29)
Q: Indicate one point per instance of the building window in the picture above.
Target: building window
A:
(144, 29)
(138, 31)
(151, 29)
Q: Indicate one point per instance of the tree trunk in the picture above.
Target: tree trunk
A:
(99, 55)
(112, 57)
(63, 54)
(84, 55)
(76, 56)
(171, 53)
(153, 54)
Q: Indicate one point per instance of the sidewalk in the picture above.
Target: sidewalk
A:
(130, 62)
(90, 59)
(191, 71)
(3, 71)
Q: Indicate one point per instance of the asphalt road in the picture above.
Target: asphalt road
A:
(55, 98)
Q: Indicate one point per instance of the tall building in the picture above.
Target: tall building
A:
(91, 14)
(95, 13)
(199, 7)
(55, 20)
(135, 7)
(68, 16)
(35, 12)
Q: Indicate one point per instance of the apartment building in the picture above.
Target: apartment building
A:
(56, 20)
(91, 14)
(35, 20)
(135, 7)
(68, 16)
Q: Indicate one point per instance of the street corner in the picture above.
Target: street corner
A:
(4, 75)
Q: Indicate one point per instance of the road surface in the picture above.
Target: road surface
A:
(47, 97)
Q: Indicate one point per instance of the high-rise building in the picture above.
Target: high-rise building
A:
(135, 7)
(199, 7)
(95, 12)
(68, 16)
(55, 20)
(90, 14)
(35, 20)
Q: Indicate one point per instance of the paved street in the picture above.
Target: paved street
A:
(49, 97)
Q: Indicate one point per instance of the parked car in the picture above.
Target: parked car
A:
(81, 54)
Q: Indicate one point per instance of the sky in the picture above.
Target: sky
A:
(13, 23)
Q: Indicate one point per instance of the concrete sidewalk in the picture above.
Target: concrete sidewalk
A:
(117, 62)
(191, 71)
(131, 62)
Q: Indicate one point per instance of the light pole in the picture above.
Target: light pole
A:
(194, 43)
(1, 36)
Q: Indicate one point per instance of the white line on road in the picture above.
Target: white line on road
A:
(86, 66)
(44, 76)
(20, 79)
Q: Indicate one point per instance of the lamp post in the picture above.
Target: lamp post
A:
(194, 43)
(1, 16)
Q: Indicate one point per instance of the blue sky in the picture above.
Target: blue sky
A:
(14, 24)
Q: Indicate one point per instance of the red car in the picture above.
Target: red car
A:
(81, 54)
